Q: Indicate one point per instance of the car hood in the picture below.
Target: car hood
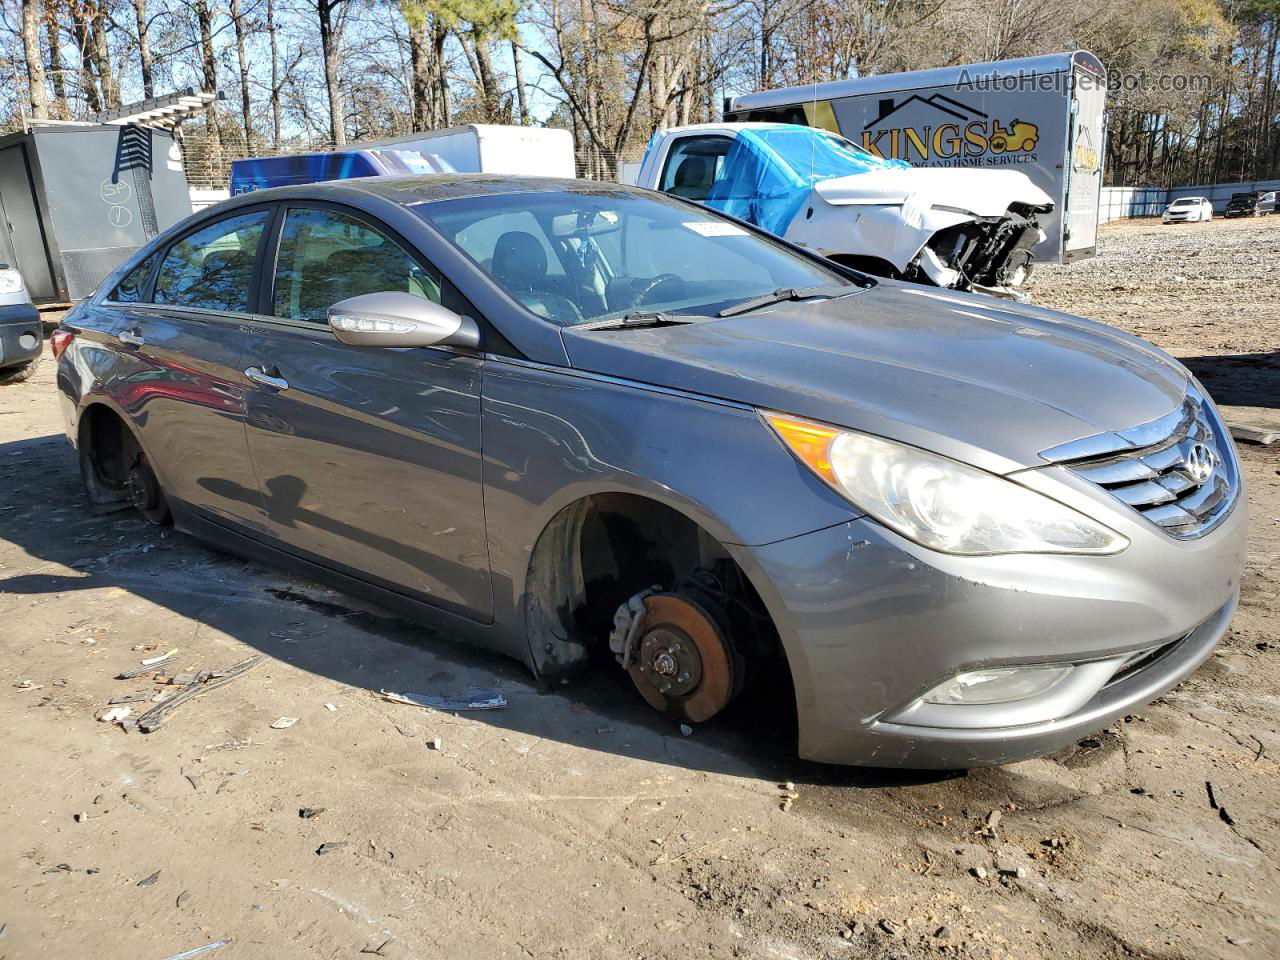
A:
(981, 380)
(984, 193)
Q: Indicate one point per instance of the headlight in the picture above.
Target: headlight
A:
(940, 503)
(10, 281)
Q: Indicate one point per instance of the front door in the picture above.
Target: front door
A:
(368, 458)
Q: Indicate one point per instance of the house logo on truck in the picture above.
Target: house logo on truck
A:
(941, 130)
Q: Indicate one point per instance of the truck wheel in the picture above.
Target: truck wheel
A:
(22, 371)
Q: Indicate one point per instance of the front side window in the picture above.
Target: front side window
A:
(622, 251)
(326, 257)
(131, 287)
(212, 269)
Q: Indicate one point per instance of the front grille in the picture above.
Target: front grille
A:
(1178, 471)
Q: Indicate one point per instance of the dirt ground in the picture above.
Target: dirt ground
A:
(575, 823)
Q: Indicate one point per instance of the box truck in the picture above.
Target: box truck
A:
(475, 148)
(1043, 116)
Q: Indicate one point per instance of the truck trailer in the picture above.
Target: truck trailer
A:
(475, 148)
(1043, 116)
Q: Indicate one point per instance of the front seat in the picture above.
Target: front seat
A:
(693, 180)
(520, 266)
(519, 262)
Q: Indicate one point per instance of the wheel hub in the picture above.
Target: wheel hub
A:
(670, 660)
(682, 662)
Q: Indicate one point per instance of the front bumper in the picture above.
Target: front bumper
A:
(870, 622)
(21, 336)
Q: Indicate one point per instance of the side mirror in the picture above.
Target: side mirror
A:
(395, 319)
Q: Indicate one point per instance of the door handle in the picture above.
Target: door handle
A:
(132, 338)
(258, 375)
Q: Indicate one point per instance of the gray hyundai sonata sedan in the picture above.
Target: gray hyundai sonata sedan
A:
(578, 422)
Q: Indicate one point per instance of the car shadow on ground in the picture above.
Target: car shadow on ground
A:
(331, 634)
(1239, 380)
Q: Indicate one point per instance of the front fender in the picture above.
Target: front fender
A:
(554, 436)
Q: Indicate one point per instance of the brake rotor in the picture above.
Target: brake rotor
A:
(682, 662)
(144, 491)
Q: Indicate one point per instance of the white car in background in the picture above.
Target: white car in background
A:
(1188, 210)
(21, 337)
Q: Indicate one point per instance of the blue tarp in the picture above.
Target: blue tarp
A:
(769, 172)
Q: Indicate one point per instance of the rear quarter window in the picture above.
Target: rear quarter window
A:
(132, 288)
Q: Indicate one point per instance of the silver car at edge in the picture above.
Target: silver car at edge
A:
(558, 417)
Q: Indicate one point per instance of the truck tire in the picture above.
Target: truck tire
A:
(22, 371)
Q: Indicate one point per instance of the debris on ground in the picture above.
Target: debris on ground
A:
(115, 715)
(130, 697)
(330, 847)
(152, 719)
(196, 951)
(1253, 434)
(284, 723)
(310, 813)
(478, 699)
(148, 881)
(435, 743)
(156, 661)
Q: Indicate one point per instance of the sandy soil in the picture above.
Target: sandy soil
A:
(574, 823)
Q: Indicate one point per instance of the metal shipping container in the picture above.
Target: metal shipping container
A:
(1043, 116)
(76, 200)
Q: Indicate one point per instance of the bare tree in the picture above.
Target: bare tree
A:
(39, 96)
(238, 22)
(144, 47)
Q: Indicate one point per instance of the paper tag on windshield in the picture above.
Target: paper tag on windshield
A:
(714, 228)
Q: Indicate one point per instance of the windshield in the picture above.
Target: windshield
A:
(585, 257)
(1185, 202)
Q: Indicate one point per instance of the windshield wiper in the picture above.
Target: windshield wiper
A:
(640, 319)
(787, 293)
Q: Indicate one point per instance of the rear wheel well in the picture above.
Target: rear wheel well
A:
(107, 449)
(114, 467)
(601, 551)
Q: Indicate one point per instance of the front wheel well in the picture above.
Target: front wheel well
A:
(602, 550)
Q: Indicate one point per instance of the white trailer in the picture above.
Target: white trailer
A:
(1043, 116)
(494, 148)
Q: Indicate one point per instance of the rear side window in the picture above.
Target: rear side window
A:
(134, 284)
(326, 257)
(212, 269)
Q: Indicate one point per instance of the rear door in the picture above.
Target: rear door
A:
(1084, 176)
(368, 458)
(181, 335)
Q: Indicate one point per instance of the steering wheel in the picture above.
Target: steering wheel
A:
(641, 296)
